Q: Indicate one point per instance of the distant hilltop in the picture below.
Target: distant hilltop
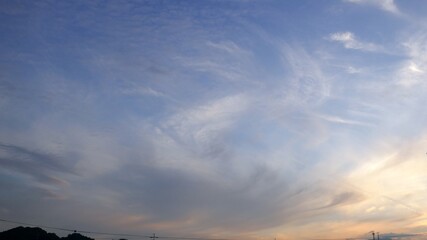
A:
(35, 233)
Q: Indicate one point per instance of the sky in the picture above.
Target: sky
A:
(215, 119)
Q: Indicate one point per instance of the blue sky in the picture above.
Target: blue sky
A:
(230, 119)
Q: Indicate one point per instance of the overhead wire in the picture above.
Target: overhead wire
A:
(108, 233)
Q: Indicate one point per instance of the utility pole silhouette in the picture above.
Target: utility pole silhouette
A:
(378, 236)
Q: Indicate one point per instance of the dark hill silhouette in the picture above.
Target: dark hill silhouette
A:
(29, 233)
(76, 236)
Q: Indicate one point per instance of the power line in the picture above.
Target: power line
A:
(153, 237)
(36, 225)
(74, 230)
(195, 238)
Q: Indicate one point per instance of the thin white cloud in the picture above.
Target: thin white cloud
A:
(308, 84)
(201, 123)
(340, 120)
(140, 90)
(386, 5)
(224, 60)
(349, 40)
(353, 70)
(216, 68)
(291, 99)
(412, 71)
(228, 46)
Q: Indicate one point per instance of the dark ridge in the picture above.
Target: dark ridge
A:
(35, 233)
(76, 236)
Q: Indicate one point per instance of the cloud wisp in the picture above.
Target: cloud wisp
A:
(349, 40)
(44, 168)
(386, 5)
(413, 70)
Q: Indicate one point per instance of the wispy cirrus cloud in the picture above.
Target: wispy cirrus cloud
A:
(386, 5)
(412, 70)
(229, 47)
(43, 167)
(340, 120)
(223, 61)
(214, 116)
(349, 40)
(307, 84)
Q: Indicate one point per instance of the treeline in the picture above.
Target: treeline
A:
(35, 233)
